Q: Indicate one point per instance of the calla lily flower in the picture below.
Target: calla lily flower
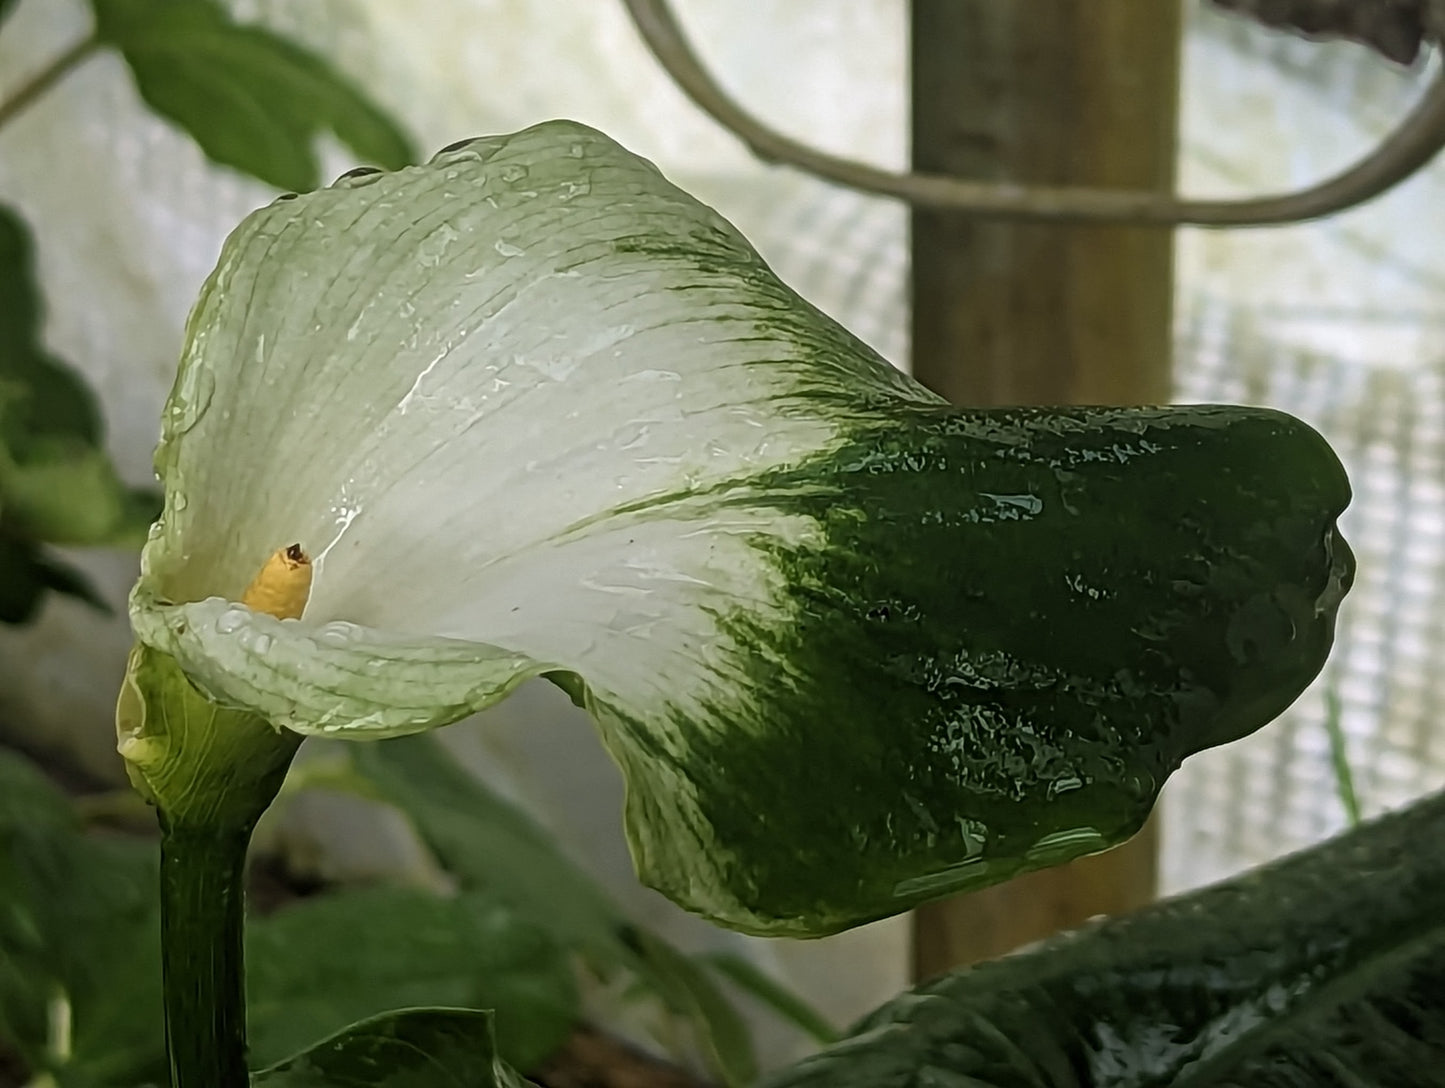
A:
(531, 410)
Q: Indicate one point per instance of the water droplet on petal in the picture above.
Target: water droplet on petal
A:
(338, 633)
(189, 400)
(230, 621)
(258, 643)
(506, 249)
(436, 244)
(356, 179)
(468, 150)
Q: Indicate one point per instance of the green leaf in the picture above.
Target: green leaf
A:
(1325, 968)
(28, 570)
(57, 484)
(722, 1032)
(323, 962)
(28, 798)
(30, 806)
(22, 580)
(42, 400)
(59, 577)
(747, 976)
(1340, 755)
(79, 941)
(142, 506)
(492, 846)
(107, 922)
(251, 99)
(411, 1048)
(5, 8)
(64, 494)
(68, 494)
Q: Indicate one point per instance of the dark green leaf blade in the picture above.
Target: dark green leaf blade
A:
(327, 961)
(251, 99)
(411, 1048)
(1323, 968)
(990, 669)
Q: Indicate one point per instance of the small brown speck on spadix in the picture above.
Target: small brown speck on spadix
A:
(282, 586)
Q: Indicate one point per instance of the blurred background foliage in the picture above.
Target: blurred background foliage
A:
(252, 100)
(162, 122)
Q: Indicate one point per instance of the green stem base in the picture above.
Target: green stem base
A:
(202, 914)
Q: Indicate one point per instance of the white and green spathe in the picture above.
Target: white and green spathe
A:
(534, 411)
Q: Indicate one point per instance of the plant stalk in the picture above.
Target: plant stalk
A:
(47, 77)
(203, 969)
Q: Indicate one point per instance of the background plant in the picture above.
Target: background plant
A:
(1286, 366)
(84, 1015)
(253, 101)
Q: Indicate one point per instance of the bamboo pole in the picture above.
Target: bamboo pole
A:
(1047, 92)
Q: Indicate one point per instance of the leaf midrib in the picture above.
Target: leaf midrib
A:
(1332, 994)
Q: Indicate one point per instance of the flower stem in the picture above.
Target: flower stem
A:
(47, 77)
(202, 914)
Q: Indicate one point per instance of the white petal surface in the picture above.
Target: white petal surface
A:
(489, 395)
